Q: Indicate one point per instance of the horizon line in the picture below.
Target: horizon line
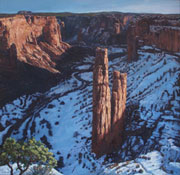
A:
(100, 11)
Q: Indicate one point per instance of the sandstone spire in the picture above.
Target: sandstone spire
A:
(118, 104)
(132, 42)
(101, 103)
(108, 115)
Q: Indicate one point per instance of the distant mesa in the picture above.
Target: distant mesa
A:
(24, 12)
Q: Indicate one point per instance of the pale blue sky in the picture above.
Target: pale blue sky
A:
(139, 6)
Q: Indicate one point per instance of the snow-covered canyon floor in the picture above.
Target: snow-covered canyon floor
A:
(62, 117)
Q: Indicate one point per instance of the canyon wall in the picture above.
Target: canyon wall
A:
(108, 114)
(132, 44)
(97, 28)
(30, 47)
(37, 40)
(161, 31)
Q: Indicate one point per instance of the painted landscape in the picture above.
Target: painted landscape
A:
(100, 90)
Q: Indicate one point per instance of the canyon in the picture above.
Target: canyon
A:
(58, 85)
(135, 30)
(100, 28)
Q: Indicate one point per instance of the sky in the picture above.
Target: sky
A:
(81, 6)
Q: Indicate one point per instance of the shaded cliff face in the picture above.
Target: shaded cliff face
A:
(30, 47)
(37, 40)
(103, 29)
(161, 31)
(132, 44)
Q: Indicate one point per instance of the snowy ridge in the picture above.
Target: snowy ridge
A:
(62, 117)
(4, 170)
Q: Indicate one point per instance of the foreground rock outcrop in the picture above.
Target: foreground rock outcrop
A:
(108, 114)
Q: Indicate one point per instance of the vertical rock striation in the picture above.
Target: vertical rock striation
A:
(132, 42)
(13, 56)
(37, 40)
(117, 27)
(52, 34)
(103, 29)
(30, 48)
(162, 32)
(118, 104)
(108, 114)
(101, 103)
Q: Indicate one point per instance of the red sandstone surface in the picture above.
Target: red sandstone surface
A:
(37, 41)
(108, 114)
(160, 31)
(101, 104)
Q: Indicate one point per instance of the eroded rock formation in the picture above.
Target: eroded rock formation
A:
(30, 47)
(163, 31)
(101, 103)
(108, 28)
(107, 114)
(160, 31)
(118, 104)
(37, 40)
(132, 42)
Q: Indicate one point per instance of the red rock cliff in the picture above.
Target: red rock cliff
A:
(108, 115)
(36, 39)
(160, 31)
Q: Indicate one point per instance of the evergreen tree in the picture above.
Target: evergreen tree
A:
(25, 154)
